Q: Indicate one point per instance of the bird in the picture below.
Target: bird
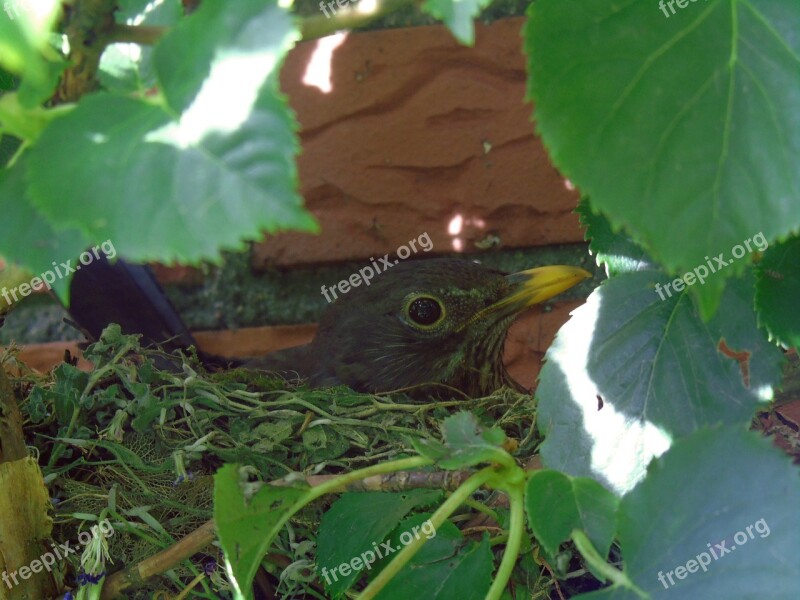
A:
(426, 325)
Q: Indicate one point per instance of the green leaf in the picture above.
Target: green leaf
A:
(637, 371)
(7, 81)
(466, 443)
(556, 504)
(777, 291)
(446, 567)
(26, 237)
(25, 47)
(458, 15)
(180, 188)
(717, 488)
(222, 56)
(614, 250)
(112, 343)
(640, 110)
(126, 68)
(9, 146)
(248, 522)
(206, 198)
(36, 405)
(23, 122)
(66, 393)
(356, 524)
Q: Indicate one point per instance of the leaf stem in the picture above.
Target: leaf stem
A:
(455, 500)
(516, 529)
(482, 508)
(600, 566)
(134, 34)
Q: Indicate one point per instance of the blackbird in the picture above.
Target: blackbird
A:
(429, 322)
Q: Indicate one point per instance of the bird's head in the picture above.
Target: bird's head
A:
(439, 321)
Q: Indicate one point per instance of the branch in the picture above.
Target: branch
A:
(395, 482)
(158, 563)
(86, 23)
(134, 34)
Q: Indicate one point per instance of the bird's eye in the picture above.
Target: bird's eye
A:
(425, 311)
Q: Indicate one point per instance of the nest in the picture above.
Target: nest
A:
(139, 438)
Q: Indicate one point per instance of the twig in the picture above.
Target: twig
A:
(395, 482)
(160, 562)
(134, 34)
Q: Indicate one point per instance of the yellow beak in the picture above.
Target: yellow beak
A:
(531, 287)
(539, 284)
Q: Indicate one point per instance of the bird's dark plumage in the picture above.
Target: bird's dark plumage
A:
(438, 321)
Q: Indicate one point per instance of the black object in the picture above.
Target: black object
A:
(102, 293)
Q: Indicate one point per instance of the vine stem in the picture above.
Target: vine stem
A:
(455, 500)
(516, 529)
(600, 566)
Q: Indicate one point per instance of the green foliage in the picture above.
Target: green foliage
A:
(457, 15)
(556, 504)
(683, 134)
(637, 372)
(214, 177)
(37, 244)
(128, 68)
(242, 178)
(657, 119)
(465, 443)
(617, 253)
(777, 291)
(25, 50)
(448, 566)
(444, 566)
(246, 514)
(355, 522)
(696, 499)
